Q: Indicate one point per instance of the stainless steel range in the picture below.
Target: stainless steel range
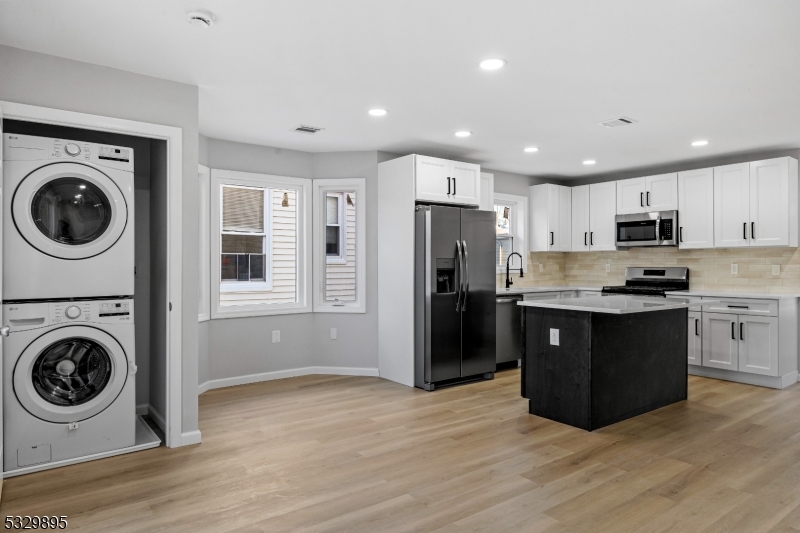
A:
(652, 281)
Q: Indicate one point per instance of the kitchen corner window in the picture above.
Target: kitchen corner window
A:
(258, 254)
(339, 265)
(510, 223)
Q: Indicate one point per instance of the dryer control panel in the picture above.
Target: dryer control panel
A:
(30, 148)
(25, 316)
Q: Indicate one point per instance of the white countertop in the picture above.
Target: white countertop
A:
(530, 290)
(619, 304)
(691, 293)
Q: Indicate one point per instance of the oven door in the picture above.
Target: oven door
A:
(647, 229)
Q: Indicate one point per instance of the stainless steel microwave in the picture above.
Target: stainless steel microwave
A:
(659, 228)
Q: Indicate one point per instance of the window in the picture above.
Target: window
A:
(339, 265)
(203, 296)
(259, 259)
(511, 222)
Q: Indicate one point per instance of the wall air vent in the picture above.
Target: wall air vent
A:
(617, 122)
(307, 129)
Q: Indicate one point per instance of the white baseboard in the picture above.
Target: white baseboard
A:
(773, 382)
(290, 373)
(158, 418)
(190, 437)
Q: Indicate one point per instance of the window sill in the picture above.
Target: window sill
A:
(203, 317)
(245, 286)
(352, 309)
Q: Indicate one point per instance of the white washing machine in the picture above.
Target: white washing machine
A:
(68, 381)
(67, 219)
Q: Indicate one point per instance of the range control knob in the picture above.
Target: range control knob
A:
(73, 311)
(72, 149)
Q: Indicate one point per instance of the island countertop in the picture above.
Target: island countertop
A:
(614, 304)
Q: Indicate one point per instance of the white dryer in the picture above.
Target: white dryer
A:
(67, 219)
(68, 381)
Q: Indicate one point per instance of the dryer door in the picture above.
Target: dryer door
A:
(70, 374)
(69, 210)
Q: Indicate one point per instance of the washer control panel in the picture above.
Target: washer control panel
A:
(30, 148)
(25, 316)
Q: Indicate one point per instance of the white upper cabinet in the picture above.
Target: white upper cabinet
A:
(449, 182)
(602, 212)
(696, 208)
(651, 193)
(630, 196)
(487, 192)
(581, 212)
(756, 204)
(550, 217)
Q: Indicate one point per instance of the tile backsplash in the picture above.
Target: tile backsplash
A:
(708, 269)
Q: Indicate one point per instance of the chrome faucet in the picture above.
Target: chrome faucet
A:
(509, 283)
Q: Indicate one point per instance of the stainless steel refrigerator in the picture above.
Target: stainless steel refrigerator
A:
(454, 284)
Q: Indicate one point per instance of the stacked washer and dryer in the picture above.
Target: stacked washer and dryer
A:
(68, 285)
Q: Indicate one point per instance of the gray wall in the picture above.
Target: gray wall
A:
(49, 81)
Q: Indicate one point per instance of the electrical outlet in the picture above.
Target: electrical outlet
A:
(276, 336)
(334, 334)
(776, 270)
(734, 268)
(553, 337)
(608, 267)
(541, 267)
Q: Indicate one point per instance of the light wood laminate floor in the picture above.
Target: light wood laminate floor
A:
(356, 454)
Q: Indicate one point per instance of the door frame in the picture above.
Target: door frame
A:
(174, 139)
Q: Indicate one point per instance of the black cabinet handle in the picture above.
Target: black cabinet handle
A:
(739, 306)
(680, 232)
(752, 230)
(744, 230)
(641, 198)
(448, 186)
(741, 330)
(648, 197)
(733, 330)
(585, 235)
(695, 326)
(454, 186)
(551, 238)
(591, 238)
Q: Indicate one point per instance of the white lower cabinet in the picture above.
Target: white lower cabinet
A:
(695, 338)
(739, 342)
(720, 341)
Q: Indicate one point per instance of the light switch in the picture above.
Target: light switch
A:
(776, 270)
(276, 336)
(554, 337)
(334, 333)
(734, 268)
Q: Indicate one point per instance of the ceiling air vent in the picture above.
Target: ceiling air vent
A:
(617, 122)
(307, 129)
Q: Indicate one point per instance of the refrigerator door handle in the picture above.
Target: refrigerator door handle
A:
(458, 273)
(466, 275)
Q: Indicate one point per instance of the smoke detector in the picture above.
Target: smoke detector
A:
(617, 122)
(307, 129)
(200, 18)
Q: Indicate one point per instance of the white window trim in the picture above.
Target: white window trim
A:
(342, 212)
(520, 206)
(240, 286)
(204, 296)
(321, 188)
(304, 272)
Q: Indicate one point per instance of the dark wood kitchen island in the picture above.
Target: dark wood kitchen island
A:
(591, 362)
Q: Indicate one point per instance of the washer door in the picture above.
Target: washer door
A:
(69, 210)
(70, 374)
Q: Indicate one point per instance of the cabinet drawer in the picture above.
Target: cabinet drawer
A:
(541, 296)
(742, 306)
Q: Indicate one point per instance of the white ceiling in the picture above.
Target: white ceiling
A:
(723, 70)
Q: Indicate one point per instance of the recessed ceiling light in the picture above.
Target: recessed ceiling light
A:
(463, 133)
(200, 18)
(589, 162)
(492, 64)
(699, 143)
(530, 149)
(377, 112)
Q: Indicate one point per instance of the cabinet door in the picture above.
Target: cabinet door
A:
(630, 196)
(487, 192)
(720, 341)
(553, 203)
(695, 337)
(732, 206)
(661, 192)
(466, 183)
(769, 202)
(431, 179)
(564, 229)
(758, 345)
(580, 218)
(696, 208)
(602, 210)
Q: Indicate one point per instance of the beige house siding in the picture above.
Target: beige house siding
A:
(340, 278)
(283, 260)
